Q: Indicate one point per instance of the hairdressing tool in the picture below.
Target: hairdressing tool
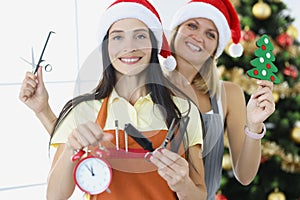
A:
(35, 67)
(176, 140)
(169, 134)
(117, 134)
(138, 137)
(126, 141)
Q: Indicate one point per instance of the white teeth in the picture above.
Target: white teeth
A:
(193, 47)
(129, 60)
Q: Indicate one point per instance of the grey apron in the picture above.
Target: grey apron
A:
(213, 148)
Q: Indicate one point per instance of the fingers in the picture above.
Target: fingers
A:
(87, 134)
(171, 166)
(28, 86)
(264, 93)
(264, 83)
(267, 107)
(261, 104)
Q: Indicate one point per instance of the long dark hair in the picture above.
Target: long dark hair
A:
(157, 85)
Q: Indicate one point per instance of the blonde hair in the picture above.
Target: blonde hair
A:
(207, 80)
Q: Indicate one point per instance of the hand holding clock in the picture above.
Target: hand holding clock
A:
(87, 134)
(92, 174)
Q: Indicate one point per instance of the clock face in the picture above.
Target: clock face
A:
(92, 175)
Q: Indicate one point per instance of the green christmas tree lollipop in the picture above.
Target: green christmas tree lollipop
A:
(264, 69)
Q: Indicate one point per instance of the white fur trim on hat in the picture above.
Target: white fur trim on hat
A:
(169, 63)
(208, 11)
(124, 10)
(235, 50)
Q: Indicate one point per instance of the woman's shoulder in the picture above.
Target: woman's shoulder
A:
(233, 96)
(232, 88)
(89, 107)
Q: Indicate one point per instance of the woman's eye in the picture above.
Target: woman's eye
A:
(117, 37)
(141, 36)
(192, 26)
(211, 35)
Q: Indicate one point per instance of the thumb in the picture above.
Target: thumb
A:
(40, 75)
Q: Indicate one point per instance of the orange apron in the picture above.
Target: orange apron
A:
(133, 177)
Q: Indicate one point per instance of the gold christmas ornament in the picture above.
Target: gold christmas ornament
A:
(293, 50)
(226, 142)
(226, 162)
(276, 195)
(276, 96)
(290, 163)
(292, 31)
(261, 10)
(227, 47)
(295, 133)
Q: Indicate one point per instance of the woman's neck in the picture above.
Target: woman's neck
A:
(131, 87)
(187, 70)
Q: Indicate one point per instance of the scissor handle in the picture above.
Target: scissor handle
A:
(48, 68)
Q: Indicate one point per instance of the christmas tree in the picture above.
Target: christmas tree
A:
(279, 173)
(264, 67)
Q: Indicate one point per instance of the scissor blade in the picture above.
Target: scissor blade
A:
(170, 133)
(26, 61)
(179, 137)
(171, 129)
(32, 59)
(34, 66)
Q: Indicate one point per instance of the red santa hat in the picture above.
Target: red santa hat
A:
(224, 16)
(145, 12)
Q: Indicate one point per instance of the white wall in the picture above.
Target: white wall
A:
(24, 161)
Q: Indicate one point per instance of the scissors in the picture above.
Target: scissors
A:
(170, 135)
(35, 67)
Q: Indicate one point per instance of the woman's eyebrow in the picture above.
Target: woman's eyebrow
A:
(116, 31)
(136, 30)
(141, 29)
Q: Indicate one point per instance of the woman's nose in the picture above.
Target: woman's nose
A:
(198, 36)
(129, 45)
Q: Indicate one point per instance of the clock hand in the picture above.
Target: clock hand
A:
(91, 170)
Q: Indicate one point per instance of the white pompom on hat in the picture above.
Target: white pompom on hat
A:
(145, 12)
(224, 16)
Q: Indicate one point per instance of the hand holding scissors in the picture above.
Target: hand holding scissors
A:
(33, 92)
(35, 67)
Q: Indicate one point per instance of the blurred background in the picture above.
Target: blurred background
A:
(26, 157)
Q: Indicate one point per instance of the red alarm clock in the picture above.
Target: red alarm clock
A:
(92, 174)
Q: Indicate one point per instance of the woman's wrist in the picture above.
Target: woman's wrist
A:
(47, 117)
(187, 190)
(256, 134)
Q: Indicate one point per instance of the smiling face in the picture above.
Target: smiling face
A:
(129, 46)
(196, 41)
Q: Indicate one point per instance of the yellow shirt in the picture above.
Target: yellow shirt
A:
(143, 115)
